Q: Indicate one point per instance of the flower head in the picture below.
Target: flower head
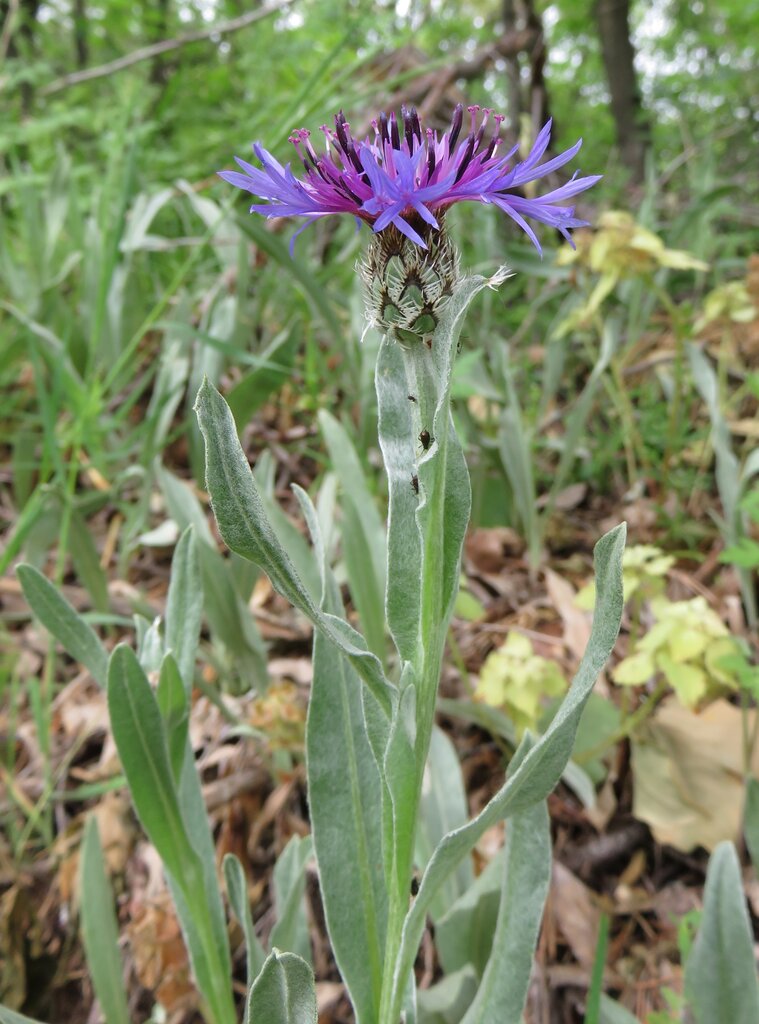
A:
(407, 175)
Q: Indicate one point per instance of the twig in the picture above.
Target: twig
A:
(165, 46)
(7, 33)
(429, 88)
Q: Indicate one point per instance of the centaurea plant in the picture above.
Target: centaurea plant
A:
(369, 730)
(370, 738)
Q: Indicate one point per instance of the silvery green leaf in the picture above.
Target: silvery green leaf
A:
(413, 391)
(465, 934)
(173, 703)
(100, 932)
(175, 821)
(289, 884)
(55, 613)
(527, 874)
(345, 798)
(396, 429)
(247, 530)
(283, 993)
(720, 973)
(442, 809)
(400, 775)
(539, 769)
(184, 606)
(447, 1000)
(363, 534)
(237, 891)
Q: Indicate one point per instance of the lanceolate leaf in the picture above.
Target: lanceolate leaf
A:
(413, 392)
(247, 530)
(172, 703)
(396, 430)
(363, 533)
(442, 809)
(237, 891)
(169, 820)
(57, 616)
(141, 742)
(527, 874)
(283, 993)
(720, 974)
(291, 930)
(538, 771)
(345, 797)
(184, 606)
(100, 931)
(346, 736)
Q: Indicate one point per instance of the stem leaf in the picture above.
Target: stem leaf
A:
(527, 874)
(539, 769)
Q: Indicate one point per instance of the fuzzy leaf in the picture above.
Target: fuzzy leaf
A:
(283, 993)
(247, 530)
(78, 639)
(540, 769)
(100, 932)
(720, 974)
(237, 892)
(527, 874)
(184, 606)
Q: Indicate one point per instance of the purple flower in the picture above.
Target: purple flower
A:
(406, 175)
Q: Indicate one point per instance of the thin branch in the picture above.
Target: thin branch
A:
(429, 88)
(7, 32)
(165, 46)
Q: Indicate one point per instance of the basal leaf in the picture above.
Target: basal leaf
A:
(184, 606)
(720, 973)
(289, 884)
(237, 891)
(141, 742)
(78, 639)
(527, 874)
(100, 932)
(283, 993)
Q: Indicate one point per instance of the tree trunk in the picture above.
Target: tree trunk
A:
(632, 126)
(520, 15)
(81, 42)
(510, 25)
(21, 42)
(158, 29)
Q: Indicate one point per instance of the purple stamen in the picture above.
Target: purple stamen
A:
(456, 122)
(394, 135)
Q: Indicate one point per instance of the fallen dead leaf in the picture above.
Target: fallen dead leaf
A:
(688, 774)
(576, 622)
(576, 912)
(488, 549)
(160, 956)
